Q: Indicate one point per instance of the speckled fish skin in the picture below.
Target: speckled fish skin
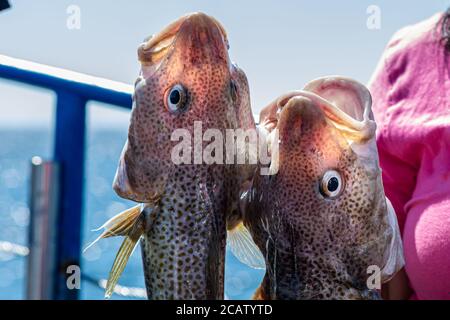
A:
(316, 248)
(183, 249)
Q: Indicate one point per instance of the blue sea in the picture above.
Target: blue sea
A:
(17, 147)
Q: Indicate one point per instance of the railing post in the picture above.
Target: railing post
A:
(42, 240)
(69, 153)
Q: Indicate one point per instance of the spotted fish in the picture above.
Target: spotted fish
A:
(187, 80)
(321, 219)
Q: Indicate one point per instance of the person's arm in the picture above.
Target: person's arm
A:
(397, 288)
(381, 87)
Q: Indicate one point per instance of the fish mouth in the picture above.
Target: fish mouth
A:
(345, 103)
(193, 33)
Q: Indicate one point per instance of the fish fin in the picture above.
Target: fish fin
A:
(396, 259)
(260, 294)
(244, 248)
(124, 253)
(119, 225)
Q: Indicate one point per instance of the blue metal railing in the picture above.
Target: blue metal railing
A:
(73, 90)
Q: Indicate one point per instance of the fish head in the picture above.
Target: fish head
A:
(186, 76)
(320, 159)
(326, 205)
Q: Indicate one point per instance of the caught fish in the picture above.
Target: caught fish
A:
(187, 83)
(321, 220)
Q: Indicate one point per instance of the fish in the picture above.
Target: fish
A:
(187, 85)
(321, 219)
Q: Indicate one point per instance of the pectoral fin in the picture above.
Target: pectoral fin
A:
(396, 259)
(244, 248)
(119, 225)
(131, 224)
(125, 251)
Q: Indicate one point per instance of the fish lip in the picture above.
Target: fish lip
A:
(200, 19)
(295, 113)
(163, 43)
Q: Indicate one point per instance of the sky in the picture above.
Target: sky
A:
(281, 45)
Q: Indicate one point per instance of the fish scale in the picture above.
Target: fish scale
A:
(183, 249)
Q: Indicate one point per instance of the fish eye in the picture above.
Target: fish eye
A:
(332, 184)
(176, 99)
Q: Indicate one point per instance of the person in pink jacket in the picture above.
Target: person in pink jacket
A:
(411, 105)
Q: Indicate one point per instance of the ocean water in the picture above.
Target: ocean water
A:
(17, 147)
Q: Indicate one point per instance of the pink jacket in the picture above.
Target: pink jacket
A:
(411, 95)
